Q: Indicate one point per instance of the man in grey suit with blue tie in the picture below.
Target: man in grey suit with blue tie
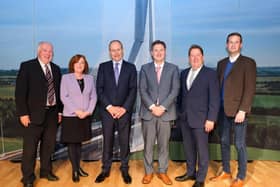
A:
(198, 103)
(159, 87)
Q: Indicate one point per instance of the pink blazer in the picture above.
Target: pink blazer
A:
(72, 97)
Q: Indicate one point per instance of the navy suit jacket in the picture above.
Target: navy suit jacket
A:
(202, 101)
(121, 94)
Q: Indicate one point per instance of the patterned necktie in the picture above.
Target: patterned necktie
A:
(51, 91)
(116, 72)
(158, 73)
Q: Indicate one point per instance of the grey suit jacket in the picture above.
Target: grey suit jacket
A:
(166, 91)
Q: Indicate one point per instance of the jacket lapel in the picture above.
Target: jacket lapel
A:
(112, 73)
(75, 83)
(152, 73)
(198, 76)
(185, 79)
(163, 74)
(40, 71)
(235, 66)
(122, 72)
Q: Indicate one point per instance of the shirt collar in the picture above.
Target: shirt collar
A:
(43, 65)
(119, 62)
(161, 65)
(234, 58)
(197, 70)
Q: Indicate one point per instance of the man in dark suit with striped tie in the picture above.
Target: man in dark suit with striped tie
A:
(38, 106)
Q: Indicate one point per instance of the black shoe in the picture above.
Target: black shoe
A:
(50, 177)
(82, 173)
(126, 177)
(75, 176)
(198, 184)
(184, 177)
(28, 184)
(101, 177)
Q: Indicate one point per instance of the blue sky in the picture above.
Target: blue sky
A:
(87, 26)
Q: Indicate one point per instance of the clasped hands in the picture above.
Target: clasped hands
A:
(157, 110)
(82, 114)
(116, 111)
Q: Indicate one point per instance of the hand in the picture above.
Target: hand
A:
(157, 111)
(25, 120)
(121, 112)
(209, 126)
(113, 110)
(240, 117)
(85, 114)
(79, 113)
(82, 114)
(59, 118)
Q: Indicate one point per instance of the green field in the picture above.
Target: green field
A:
(176, 152)
(267, 101)
(11, 144)
(7, 92)
(267, 79)
(264, 120)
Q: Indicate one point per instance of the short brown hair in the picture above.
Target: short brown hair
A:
(195, 46)
(74, 60)
(234, 34)
(156, 43)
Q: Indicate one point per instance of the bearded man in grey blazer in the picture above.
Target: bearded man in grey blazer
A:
(159, 87)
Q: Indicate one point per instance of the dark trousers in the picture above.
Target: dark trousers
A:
(195, 141)
(44, 133)
(109, 125)
(74, 153)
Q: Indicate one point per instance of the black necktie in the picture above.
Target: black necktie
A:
(51, 91)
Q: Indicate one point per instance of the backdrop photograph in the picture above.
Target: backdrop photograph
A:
(86, 27)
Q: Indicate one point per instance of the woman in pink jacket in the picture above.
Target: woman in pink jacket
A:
(78, 96)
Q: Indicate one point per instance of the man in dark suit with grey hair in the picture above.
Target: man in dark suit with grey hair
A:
(38, 106)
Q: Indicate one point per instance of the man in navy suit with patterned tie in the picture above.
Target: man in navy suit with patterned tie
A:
(116, 90)
(198, 101)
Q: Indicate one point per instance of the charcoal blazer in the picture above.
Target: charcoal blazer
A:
(166, 91)
(31, 90)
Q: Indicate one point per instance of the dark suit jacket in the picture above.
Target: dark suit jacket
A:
(202, 101)
(31, 90)
(240, 85)
(123, 94)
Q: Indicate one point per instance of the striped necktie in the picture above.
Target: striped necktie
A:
(51, 91)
